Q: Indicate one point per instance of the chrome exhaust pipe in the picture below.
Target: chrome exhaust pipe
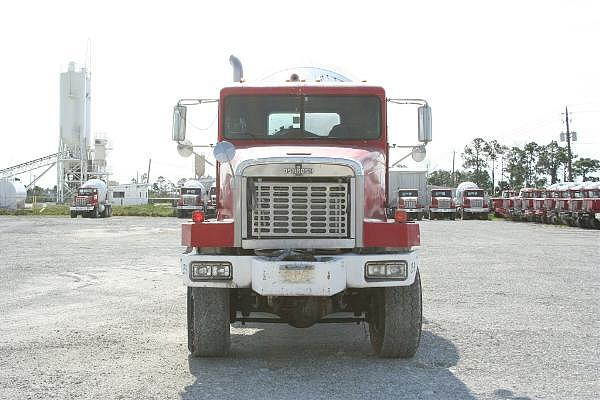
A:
(238, 71)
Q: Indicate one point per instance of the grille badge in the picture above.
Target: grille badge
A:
(297, 170)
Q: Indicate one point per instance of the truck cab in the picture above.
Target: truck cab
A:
(408, 202)
(470, 202)
(301, 233)
(501, 205)
(590, 215)
(91, 200)
(191, 198)
(441, 205)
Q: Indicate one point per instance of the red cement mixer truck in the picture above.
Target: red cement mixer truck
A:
(301, 233)
(92, 200)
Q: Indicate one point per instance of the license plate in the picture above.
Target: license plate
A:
(296, 273)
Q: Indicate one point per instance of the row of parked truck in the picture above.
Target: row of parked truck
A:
(568, 203)
(469, 202)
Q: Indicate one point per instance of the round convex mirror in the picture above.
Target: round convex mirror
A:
(185, 148)
(419, 153)
(224, 152)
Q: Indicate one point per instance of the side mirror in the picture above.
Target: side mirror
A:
(425, 124)
(179, 114)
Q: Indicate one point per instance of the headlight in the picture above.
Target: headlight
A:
(209, 270)
(397, 270)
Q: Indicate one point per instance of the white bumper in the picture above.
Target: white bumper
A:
(189, 207)
(81, 208)
(443, 210)
(475, 210)
(326, 277)
(411, 210)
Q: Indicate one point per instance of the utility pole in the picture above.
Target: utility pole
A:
(148, 174)
(569, 144)
(453, 156)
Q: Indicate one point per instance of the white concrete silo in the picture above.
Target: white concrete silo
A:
(75, 133)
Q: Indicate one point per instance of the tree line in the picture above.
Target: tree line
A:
(532, 165)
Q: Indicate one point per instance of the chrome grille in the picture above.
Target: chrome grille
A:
(443, 203)
(298, 209)
(189, 200)
(476, 203)
(81, 201)
(410, 203)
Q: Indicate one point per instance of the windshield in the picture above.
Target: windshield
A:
(191, 191)
(408, 193)
(594, 193)
(441, 193)
(473, 193)
(301, 117)
(86, 191)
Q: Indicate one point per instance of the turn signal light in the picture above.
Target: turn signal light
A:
(400, 216)
(198, 216)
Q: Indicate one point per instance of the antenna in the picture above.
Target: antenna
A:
(88, 56)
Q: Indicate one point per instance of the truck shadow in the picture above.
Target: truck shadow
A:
(323, 362)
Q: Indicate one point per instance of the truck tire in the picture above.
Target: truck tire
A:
(395, 320)
(110, 211)
(94, 213)
(178, 213)
(208, 321)
(73, 214)
(104, 213)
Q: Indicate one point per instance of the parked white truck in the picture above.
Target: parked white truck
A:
(92, 200)
(191, 198)
(470, 201)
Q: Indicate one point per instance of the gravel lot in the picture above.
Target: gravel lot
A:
(95, 309)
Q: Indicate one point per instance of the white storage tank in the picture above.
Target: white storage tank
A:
(12, 195)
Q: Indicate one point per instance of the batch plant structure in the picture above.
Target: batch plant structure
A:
(79, 157)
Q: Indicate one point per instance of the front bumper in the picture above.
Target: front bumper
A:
(190, 208)
(476, 210)
(324, 277)
(411, 210)
(442, 210)
(81, 208)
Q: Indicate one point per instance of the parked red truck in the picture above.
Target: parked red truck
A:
(408, 202)
(503, 204)
(441, 205)
(301, 231)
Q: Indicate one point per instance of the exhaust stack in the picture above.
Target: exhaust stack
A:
(238, 71)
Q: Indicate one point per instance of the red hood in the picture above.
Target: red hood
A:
(372, 162)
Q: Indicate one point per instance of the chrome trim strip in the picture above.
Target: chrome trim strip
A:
(356, 167)
(298, 243)
(359, 216)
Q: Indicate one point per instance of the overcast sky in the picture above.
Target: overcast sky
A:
(502, 70)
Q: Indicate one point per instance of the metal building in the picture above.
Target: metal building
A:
(129, 194)
(403, 179)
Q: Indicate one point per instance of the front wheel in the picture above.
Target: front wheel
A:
(73, 214)
(208, 321)
(395, 320)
